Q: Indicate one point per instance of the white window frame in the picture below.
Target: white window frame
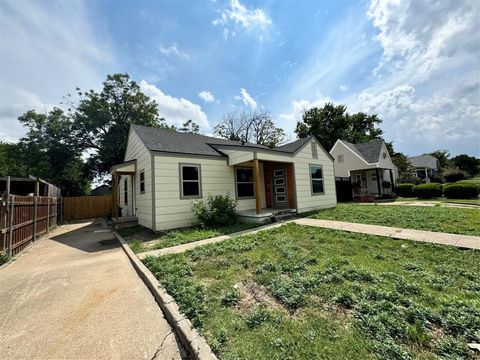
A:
(199, 181)
(312, 179)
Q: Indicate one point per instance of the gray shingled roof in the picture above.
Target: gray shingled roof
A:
(369, 151)
(167, 140)
(423, 161)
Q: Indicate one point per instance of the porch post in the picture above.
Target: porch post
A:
(391, 178)
(378, 182)
(114, 195)
(256, 181)
(134, 196)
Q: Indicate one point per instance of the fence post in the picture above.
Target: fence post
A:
(61, 210)
(48, 214)
(10, 224)
(3, 221)
(35, 218)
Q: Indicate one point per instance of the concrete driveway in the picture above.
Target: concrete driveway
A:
(75, 295)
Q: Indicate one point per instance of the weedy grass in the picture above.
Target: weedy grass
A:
(304, 293)
(442, 219)
(142, 239)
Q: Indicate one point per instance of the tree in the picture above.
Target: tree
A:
(333, 122)
(190, 127)
(11, 160)
(406, 171)
(51, 152)
(254, 127)
(102, 120)
(442, 156)
(469, 164)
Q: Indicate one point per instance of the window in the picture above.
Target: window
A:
(278, 172)
(125, 191)
(190, 185)
(316, 176)
(244, 182)
(358, 179)
(340, 158)
(314, 150)
(384, 154)
(142, 181)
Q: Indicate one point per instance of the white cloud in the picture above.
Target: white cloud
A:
(46, 51)
(206, 96)
(173, 50)
(239, 16)
(343, 87)
(175, 110)
(247, 99)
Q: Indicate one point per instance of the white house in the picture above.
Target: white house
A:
(165, 170)
(425, 166)
(368, 166)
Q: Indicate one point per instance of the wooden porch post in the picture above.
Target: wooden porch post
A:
(256, 181)
(391, 178)
(378, 182)
(114, 195)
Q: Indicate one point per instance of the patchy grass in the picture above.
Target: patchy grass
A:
(307, 293)
(443, 219)
(142, 239)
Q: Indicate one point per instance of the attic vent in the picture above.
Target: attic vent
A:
(314, 150)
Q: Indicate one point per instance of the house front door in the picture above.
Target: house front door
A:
(279, 189)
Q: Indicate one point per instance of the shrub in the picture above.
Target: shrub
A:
(217, 210)
(405, 190)
(460, 191)
(3, 257)
(427, 191)
(436, 179)
(455, 175)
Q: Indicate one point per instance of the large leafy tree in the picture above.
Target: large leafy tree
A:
(102, 119)
(332, 122)
(51, 152)
(469, 164)
(255, 127)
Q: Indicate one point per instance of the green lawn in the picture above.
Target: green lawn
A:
(443, 219)
(309, 293)
(142, 239)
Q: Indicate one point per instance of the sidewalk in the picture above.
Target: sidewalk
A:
(464, 241)
(75, 295)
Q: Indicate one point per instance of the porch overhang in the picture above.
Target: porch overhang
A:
(125, 168)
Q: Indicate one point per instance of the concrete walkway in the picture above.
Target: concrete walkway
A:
(464, 241)
(184, 247)
(75, 295)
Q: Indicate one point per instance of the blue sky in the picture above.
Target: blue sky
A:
(414, 62)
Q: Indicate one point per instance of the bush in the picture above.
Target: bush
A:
(460, 191)
(405, 190)
(3, 257)
(427, 191)
(436, 179)
(218, 210)
(453, 176)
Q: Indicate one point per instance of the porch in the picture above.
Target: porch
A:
(372, 183)
(124, 216)
(264, 190)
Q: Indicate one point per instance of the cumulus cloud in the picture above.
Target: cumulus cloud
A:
(247, 99)
(238, 15)
(47, 50)
(175, 110)
(206, 96)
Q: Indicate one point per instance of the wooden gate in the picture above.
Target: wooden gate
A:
(23, 218)
(87, 207)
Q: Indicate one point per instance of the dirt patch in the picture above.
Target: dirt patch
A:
(252, 294)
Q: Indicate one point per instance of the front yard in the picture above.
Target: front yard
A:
(308, 293)
(443, 219)
(142, 239)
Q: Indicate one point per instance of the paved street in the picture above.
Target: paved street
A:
(75, 295)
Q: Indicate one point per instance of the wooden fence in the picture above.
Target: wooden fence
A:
(24, 218)
(87, 207)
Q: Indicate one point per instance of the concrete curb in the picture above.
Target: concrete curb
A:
(194, 344)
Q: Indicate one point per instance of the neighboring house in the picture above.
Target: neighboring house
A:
(101, 190)
(366, 165)
(426, 166)
(165, 170)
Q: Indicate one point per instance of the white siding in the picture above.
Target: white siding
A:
(350, 161)
(237, 156)
(387, 162)
(137, 150)
(216, 178)
(306, 201)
